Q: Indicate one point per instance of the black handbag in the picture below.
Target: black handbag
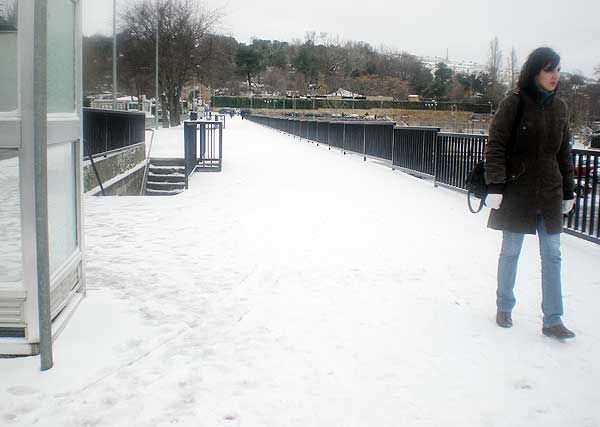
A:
(475, 181)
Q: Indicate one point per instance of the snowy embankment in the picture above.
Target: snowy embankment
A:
(301, 287)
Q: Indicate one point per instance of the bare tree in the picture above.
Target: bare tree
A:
(494, 60)
(597, 71)
(310, 36)
(513, 68)
(494, 66)
(182, 26)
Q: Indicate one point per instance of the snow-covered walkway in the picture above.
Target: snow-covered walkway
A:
(301, 287)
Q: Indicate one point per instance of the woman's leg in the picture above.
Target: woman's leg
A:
(551, 283)
(507, 270)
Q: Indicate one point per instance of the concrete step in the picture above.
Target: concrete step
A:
(151, 192)
(165, 186)
(161, 161)
(166, 170)
(172, 177)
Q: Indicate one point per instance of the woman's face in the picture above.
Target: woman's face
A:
(548, 77)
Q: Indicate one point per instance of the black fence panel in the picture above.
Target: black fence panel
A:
(295, 127)
(379, 140)
(278, 123)
(275, 123)
(312, 130)
(355, 137)
(456, 156)
(107, 130)
(303, 129)
(585, 219)
(336, 134)
(414, 149)
(323, 132)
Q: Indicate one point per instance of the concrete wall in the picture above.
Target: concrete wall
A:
(121, 171)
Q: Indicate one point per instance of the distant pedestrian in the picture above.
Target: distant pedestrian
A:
(529, 172)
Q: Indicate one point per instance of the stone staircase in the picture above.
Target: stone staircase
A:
(166, 177)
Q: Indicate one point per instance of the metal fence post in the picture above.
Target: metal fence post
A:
(344, 139)
(220, 149)
(435, 159)
(364, 142)
(393, 143)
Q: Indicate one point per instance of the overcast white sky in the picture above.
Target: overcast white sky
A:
(421, 27)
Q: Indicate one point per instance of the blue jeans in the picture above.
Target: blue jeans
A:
(551, 286)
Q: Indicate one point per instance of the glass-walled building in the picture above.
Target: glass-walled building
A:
(19, 330)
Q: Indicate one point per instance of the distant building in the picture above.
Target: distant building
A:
(466, 67)
(345, 94)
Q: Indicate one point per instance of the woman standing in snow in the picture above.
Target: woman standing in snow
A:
(530, 180)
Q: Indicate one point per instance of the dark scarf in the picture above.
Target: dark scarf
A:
(543, 96)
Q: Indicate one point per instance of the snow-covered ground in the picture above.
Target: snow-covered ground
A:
(301, 287)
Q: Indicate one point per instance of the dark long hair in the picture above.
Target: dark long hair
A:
(542, 58)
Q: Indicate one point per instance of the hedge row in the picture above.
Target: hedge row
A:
(342, 104)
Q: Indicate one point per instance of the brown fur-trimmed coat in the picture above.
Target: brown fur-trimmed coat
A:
(538, 176)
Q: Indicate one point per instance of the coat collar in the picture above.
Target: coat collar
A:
(538, 97)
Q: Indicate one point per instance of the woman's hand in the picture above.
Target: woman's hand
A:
(493, 201)
(567, 206)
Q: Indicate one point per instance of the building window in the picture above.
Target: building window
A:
(61, 56)
(62, 203)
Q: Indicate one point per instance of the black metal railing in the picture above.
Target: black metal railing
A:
(379, 140)
(323, 132)
(456, 155)
(414, 149)
(203, 146)
(107, 130)
(446, 158)
(585, 219)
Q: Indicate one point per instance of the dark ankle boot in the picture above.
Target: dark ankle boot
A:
(559, 331)
(503, 319)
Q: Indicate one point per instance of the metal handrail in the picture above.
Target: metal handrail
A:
(145, 178)
(91, 157)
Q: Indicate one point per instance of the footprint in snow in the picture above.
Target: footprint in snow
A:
(21, 390)
(230, 420)
(523, 385)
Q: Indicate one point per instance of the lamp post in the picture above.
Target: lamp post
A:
(156, 69)
(114, 54)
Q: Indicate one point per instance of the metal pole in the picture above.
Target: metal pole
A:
(40, 157)
(114, 54)
(365, 142)
(393, 142)
(156, 69)
(344, 139)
